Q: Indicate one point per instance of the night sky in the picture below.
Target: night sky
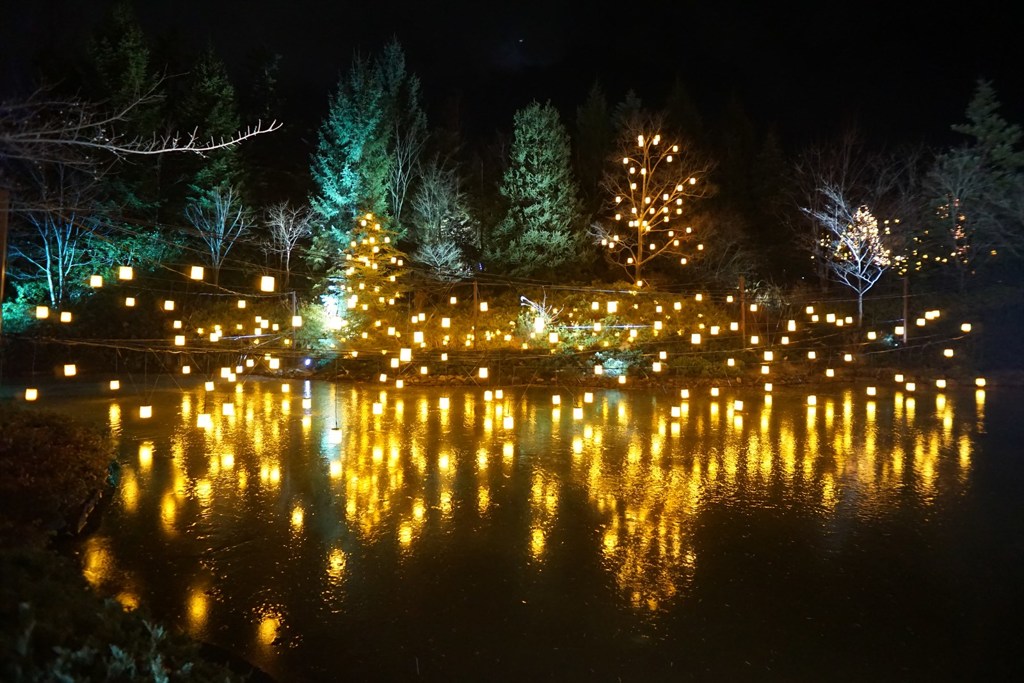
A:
(902, 74)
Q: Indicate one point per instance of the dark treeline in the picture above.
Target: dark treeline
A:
(612, 188)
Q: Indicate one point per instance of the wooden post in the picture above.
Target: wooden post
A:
(906, 307)
(476, 309)
(4, 203)
(743, 311)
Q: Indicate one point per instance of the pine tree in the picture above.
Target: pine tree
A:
(540, 231)
(593, 144)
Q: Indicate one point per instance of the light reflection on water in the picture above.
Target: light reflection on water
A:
(265, 530)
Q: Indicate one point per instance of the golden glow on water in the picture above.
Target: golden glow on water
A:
(647, 468)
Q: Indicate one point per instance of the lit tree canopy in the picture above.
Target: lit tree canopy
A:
(652, 184)
(854, 249)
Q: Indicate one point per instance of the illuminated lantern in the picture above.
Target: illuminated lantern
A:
(42, 312)
(286, 388)
(737, 405)
(296, 321)
(812, 400)
(335, 436)
(769, 356)
(145, 412)
(754, 340)
(378, 408)
(948, 353)
(208, 386)
(622, 379)
(168, 305)
(507, 422)
(186, 369)
(848, 357)
(31, 394)
(552, 337)
(196, 273)
(940, 383)
(695, 338)
(577, 413)
(483, 373)
(227, 409)
(483, 306)
(910, 386)
(443, 403)
(613, 307)
(811, 355)
(871, 391)
(267, 283)
(767, 387)
(684, 394)
(588, 397)
(556, 400)
(125, 273)
(95, 281)
(129, 301)
(65, 316)
(966, 327)
(70, 370)
(829, 372)
(274, 363)
(241, 303)
(714, 391)
(115, 385)
(179, 340)
(405, 355)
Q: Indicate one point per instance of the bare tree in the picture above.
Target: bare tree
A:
(852, 247)
(652, 188)
(288, 225)
(46, 127)
(56, 229)
(443, 225)
(219, 220)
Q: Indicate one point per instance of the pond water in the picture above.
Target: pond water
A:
(335, 533)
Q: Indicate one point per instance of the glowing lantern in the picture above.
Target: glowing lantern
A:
(125, 273)
(848, 357)
(70, 370)
(684, 394)
(556, 400)
(695, 338)
(965, 328)
(443, 403)
(378, 408)
(872, 336)
(483, 373)
(769, 356)
(274, 363)
(179, 340)
(948, 353)
(227, 409)
(508, 422)
(335, 435)
(208, 386)
(267, 283)
(767, 387)
(196, 273)
(65, 316)
(613, 307)
(979, 382)
(446, 323)
(552, 337)
(42, 312)
(577, 413)
(737, 405)
(296, 321)
(115, 385)
(829, 372)
(714, 391)
(898, 378)
(95, 281)
(754, 340)
(622, 379)
(129, 301)
(598, 369)
(186, 369)
(811, 355)
(405, 355)
(145, 412)
(241, 303)
(940, 384)
(168, 305)
(871, 391)
(910, 386)
(31, 394)
(812, 400)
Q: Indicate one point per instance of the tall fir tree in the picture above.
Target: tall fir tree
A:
(593, 144)
(540, 233)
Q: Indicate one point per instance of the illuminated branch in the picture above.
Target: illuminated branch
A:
(69, 130)
(651, 189)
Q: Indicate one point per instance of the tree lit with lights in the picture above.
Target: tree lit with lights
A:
(652, 186)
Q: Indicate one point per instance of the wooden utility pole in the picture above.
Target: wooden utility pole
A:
(743, 311)
(5, 201)
(906, 307)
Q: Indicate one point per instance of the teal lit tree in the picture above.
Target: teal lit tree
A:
(540, 233)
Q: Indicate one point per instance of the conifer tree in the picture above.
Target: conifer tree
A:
(540, 232)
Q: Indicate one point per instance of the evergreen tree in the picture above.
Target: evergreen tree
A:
(540, 232)
(977, 191)
(681, 114)
(593, 144)
(350, 166)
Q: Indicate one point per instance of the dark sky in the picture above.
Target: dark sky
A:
(902, 73)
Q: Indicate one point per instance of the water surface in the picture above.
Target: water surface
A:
(337, 533)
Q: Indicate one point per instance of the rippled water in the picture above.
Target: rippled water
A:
(463, 537)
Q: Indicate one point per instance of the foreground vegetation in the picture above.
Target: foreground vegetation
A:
(53, 627)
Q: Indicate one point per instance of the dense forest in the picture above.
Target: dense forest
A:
(135, 154)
